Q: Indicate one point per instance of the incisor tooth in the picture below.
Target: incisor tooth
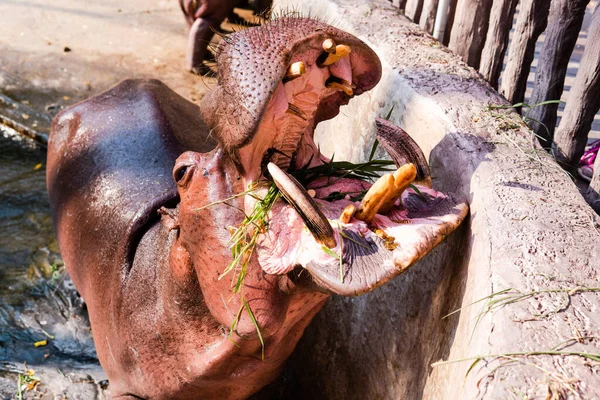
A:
(402, 178)
(370, 203)
(384, 193)
(329, 45)
(295, 70)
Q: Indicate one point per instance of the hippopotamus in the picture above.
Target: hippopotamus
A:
(204, 17)
(147, 189)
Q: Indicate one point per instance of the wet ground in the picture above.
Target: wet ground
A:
(54, 54)
(38, 304)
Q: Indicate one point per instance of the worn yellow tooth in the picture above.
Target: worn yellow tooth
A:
(329, 45)
(348, 213)
(344, 86)
(380, 198)
(402, 178)
(295, 110)
(312, 193)
(341, 51)
(295, 70)
(375, 195)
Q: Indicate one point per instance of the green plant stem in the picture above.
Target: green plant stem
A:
(590, 356)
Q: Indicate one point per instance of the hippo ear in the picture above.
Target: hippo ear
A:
(169, 217)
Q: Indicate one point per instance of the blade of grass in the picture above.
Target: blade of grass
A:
(251, 314)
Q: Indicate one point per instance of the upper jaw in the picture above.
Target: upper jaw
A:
(253, 63)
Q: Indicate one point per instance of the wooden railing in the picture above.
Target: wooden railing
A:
(478, 30)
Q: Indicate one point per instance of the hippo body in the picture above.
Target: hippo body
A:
(146, 187)
(204, 18)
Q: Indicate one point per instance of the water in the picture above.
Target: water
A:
(37, 299)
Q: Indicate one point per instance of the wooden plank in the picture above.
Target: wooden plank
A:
(583, 102)
(565, 20)
(492, 56)
(450, 21)
(427, 19)
(531, 22)
(413, 10)
(469, 29)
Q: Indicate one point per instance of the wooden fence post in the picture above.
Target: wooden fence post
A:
(428, 15)
(450, 21)
(492, 56)
(583, 102)
(592, 196)
(531, 22)
(469, 30)
(413, 10)
(565, 20)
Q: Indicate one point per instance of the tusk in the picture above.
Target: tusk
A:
(380, 198)
(403, 149)
(295, 110)
(347, 214)
(402, 178)
(294, 71)
(329, 45)
(370, 203)
(328, 58)
(339, 84)
(298, 198)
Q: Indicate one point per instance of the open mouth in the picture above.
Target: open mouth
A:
(349, 233)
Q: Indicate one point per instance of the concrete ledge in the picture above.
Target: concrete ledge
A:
(529, 231)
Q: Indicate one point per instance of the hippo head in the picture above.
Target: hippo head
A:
(167, 291)
(276, 83)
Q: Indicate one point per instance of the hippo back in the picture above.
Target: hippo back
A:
(109, 169)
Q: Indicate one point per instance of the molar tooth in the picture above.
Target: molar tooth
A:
(294, 71)
(295, 110)
(328, 58)
(298, 198)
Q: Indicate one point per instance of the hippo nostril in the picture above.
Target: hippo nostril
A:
(182, 173)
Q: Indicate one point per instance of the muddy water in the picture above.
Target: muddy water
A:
(37, 300)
